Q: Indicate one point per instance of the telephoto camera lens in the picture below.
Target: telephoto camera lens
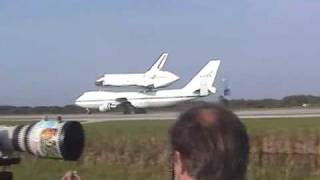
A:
(46, 139)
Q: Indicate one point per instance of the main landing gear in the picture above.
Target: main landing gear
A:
(88, 111)
(129, 109)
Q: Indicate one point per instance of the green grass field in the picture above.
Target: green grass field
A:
(137, 150)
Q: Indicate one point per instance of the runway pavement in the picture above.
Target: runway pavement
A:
(94, 118)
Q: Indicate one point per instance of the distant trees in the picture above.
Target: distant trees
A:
(298, 100)
(69, 109)
(288, 101)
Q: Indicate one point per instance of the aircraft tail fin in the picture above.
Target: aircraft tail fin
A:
(157, 66)
(203, 81)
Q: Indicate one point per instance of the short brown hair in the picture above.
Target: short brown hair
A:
(213, 143)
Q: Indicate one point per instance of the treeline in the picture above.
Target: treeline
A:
(288, 101)
(68, 109)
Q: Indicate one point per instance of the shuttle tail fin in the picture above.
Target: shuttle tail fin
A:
(203, 81)
(157, 66)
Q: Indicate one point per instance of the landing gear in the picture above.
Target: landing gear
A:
(140, 111)
(88, 111)
(129, 109)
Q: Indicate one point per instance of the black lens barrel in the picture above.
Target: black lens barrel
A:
(72, 141)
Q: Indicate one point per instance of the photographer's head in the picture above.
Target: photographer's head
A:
(209, 142)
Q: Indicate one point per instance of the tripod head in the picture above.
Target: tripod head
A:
(6, 161)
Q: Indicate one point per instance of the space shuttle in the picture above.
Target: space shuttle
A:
(153, 78)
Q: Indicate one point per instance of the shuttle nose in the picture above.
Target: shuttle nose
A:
(99, 82)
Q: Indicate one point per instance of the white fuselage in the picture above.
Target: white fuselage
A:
(97, 99)
(154, 80)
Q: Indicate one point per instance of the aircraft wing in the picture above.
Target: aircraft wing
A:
(122, 100)
(125, 105)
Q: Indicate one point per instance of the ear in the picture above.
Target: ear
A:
(179, 169)
(177, 163)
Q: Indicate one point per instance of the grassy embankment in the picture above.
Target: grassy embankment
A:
(281, 149)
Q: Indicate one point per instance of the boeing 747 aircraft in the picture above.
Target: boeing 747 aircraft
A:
(199, 86)
(153, 78)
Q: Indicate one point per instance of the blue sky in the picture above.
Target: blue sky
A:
(52, 51)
